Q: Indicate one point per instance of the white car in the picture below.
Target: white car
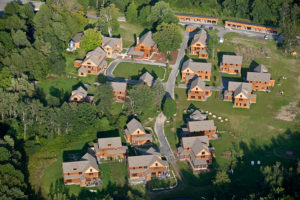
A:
(267, 37)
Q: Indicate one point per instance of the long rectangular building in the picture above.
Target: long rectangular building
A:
(250, 27)
(197, 19)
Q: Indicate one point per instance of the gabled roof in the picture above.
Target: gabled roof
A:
(232, 86)
(118, 86)
(197, 115)
(97, 56)
(201, 36)
(196, 66)
(192, 26)
(112, 42)
(133, 125)
(147, 39)
(196, 126)
(80, 92)
(82, 165)
(242, 90)
(261, 69)
(198, 82)
(147, 78)
(77, 37)
(111, 142)
(146, 160)
(255, 76)
(232, 59)
(152, 151)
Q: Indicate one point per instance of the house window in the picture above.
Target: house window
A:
(91, 170)
(74, 169)
(109, 145)
(156, 164)
(203, 153)
(134, 174)
(80, 172)
(245, 104)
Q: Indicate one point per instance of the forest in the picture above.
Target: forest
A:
(32, 48)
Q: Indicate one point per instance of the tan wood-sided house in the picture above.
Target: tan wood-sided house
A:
(231, 64)
(144, 48)
(93, 63)
(110, 148)
(197, 152)
(198, 44)
(201, 128)
(135, 133)
(76, 40)
(112, 45)
(190, 70)
(147, 79)
(119, 90)
(198, 91)
(260, 79)
(84, 172)
(240, 94)
(80, 95)
(143, 168)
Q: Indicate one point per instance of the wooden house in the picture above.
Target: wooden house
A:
(250, 27)
(197, 19)
(144, 48)
(135, 133)
(260, 79)
(147, 79)
(198, 44)
(201, 128)
(198, 91)
(93, 63)
(84, 172)
(112, 45)
(197, 152)
(231, 64)
(110, 148)
(143, 168)
(191, 70)
(80, 95)
(240, 94)
(75, 41)
(119, 90)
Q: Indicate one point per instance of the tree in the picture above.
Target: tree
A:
(131, 13)
(144, 12)
(20, 38)
(159, 92)
(4, 154)
(91, 39)
(104, 99)
(5, 78)
(168, 37)
(108, 19)
(288, 26)
(169, 107)
(161, 12)
(142, 98)
(221, 178)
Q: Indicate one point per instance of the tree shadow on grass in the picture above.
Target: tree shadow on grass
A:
(107, 134)
(75, 155)
(61, 94)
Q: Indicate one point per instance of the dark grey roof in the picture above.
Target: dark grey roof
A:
(147, 78)
(197, 115)
(82, 69)
(132, 51)
(87, 161)
(196, 126)
(232, 59)
(133, 125)
(111, 142)
(261, 69)
(77, 37)
(79, 92)
(147, 39)
(232, 86)
(196, 66)
(152, 151)
(145, 160)
(185, 15)
(118, 86)
(201, 36)
(198, 82)
(255, 76)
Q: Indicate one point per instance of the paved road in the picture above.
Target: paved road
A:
(170, 85)
(165, 148)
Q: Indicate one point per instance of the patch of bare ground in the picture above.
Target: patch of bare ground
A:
(288, 112)
(274, 128)
(252, 53)
(240, 39)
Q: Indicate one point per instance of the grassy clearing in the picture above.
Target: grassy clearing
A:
(129, 32)
(134, 70)
(255, 130)
(113, 173)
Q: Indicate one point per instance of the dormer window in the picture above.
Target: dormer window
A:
(74, 169)
(91, 170)
(156, 164)
(109, 145)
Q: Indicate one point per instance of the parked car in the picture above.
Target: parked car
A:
(267, 37)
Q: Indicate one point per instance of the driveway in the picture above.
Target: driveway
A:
(165, 148)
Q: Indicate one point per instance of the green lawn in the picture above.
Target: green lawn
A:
(134, 70)
(113, 173)
(129, 32)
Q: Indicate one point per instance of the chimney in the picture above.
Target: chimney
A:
(137, 40)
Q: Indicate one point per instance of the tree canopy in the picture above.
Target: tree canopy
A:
(91, 39)
(169, 107)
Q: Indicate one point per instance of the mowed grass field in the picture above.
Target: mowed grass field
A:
(134, 70)
(129, 32)
(257, 131)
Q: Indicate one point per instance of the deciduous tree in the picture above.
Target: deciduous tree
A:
(169, 107)
(91, 39)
